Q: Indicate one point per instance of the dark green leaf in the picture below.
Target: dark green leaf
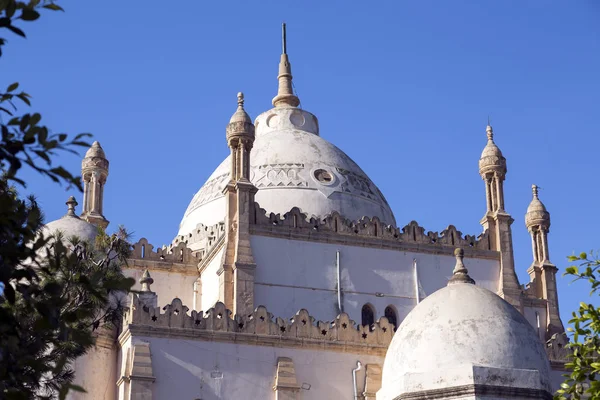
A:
(29, 14)
(16, 30)
(12, 86)
(53, 6)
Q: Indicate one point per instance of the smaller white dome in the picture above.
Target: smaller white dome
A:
(464, 334)
(71, 225)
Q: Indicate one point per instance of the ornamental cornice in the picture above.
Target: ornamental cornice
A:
(259, 328)
(368, 232)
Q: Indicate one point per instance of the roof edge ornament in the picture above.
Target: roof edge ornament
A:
(285, 92)
(460, 273)
(71, 204)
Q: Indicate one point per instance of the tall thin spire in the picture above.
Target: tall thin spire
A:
(283, 39)
(285, 93)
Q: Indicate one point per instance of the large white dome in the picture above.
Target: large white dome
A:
(292, 166)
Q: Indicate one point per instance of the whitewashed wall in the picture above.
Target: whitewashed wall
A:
(210, 282)
(292, 274)
(187, 369)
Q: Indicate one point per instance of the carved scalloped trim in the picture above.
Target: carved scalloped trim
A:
(260, 322)
(370, 227)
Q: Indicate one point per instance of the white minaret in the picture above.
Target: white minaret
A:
(94, 171)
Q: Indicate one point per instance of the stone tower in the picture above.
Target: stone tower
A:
(236, 277)
(542, 272)
(94, 171)
(492, 168)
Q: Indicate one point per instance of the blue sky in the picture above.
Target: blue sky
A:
(404, 88)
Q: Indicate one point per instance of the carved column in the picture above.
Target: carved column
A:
(94, 170)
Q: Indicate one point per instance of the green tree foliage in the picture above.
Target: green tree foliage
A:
(584, 365)
(56, 293)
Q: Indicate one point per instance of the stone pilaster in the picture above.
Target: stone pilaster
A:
(509, 288)
(286, 386)
(372, 381)
(141, 376)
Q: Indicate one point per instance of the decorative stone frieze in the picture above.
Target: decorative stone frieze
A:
(259, 323)
(366, 227)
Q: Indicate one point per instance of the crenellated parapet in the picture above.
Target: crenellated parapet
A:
(204, 238)
(365, 227)
(180, 253)
(260, 323)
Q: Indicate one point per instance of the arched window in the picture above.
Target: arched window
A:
(368, 315)
(390, 314)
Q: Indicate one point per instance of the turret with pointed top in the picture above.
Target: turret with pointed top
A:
(542, 272)
(285, 93)
(94, 172)
(240, 139)
(492, 168)
(236, 277)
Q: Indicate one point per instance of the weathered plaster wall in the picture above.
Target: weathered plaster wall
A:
(187, 369)
(167, 285)
(303, 275)
(210, 283)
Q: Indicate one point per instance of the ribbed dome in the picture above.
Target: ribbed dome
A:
(461, 327)
(292, 166)
(491, 158)
(95, 151)
(536, 212)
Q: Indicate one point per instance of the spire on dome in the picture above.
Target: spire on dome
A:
(71, 204)
(536, 214)
(285, 93)
(534, 189)
(240, 115)
(460, 273)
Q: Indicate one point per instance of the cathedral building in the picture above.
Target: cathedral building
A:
(353, 305)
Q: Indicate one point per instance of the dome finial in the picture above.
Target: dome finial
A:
(285, 93)
(534, 189)
(460, 273)
(240, 114)
(489, 130)
(71, 204)
(146, 280)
